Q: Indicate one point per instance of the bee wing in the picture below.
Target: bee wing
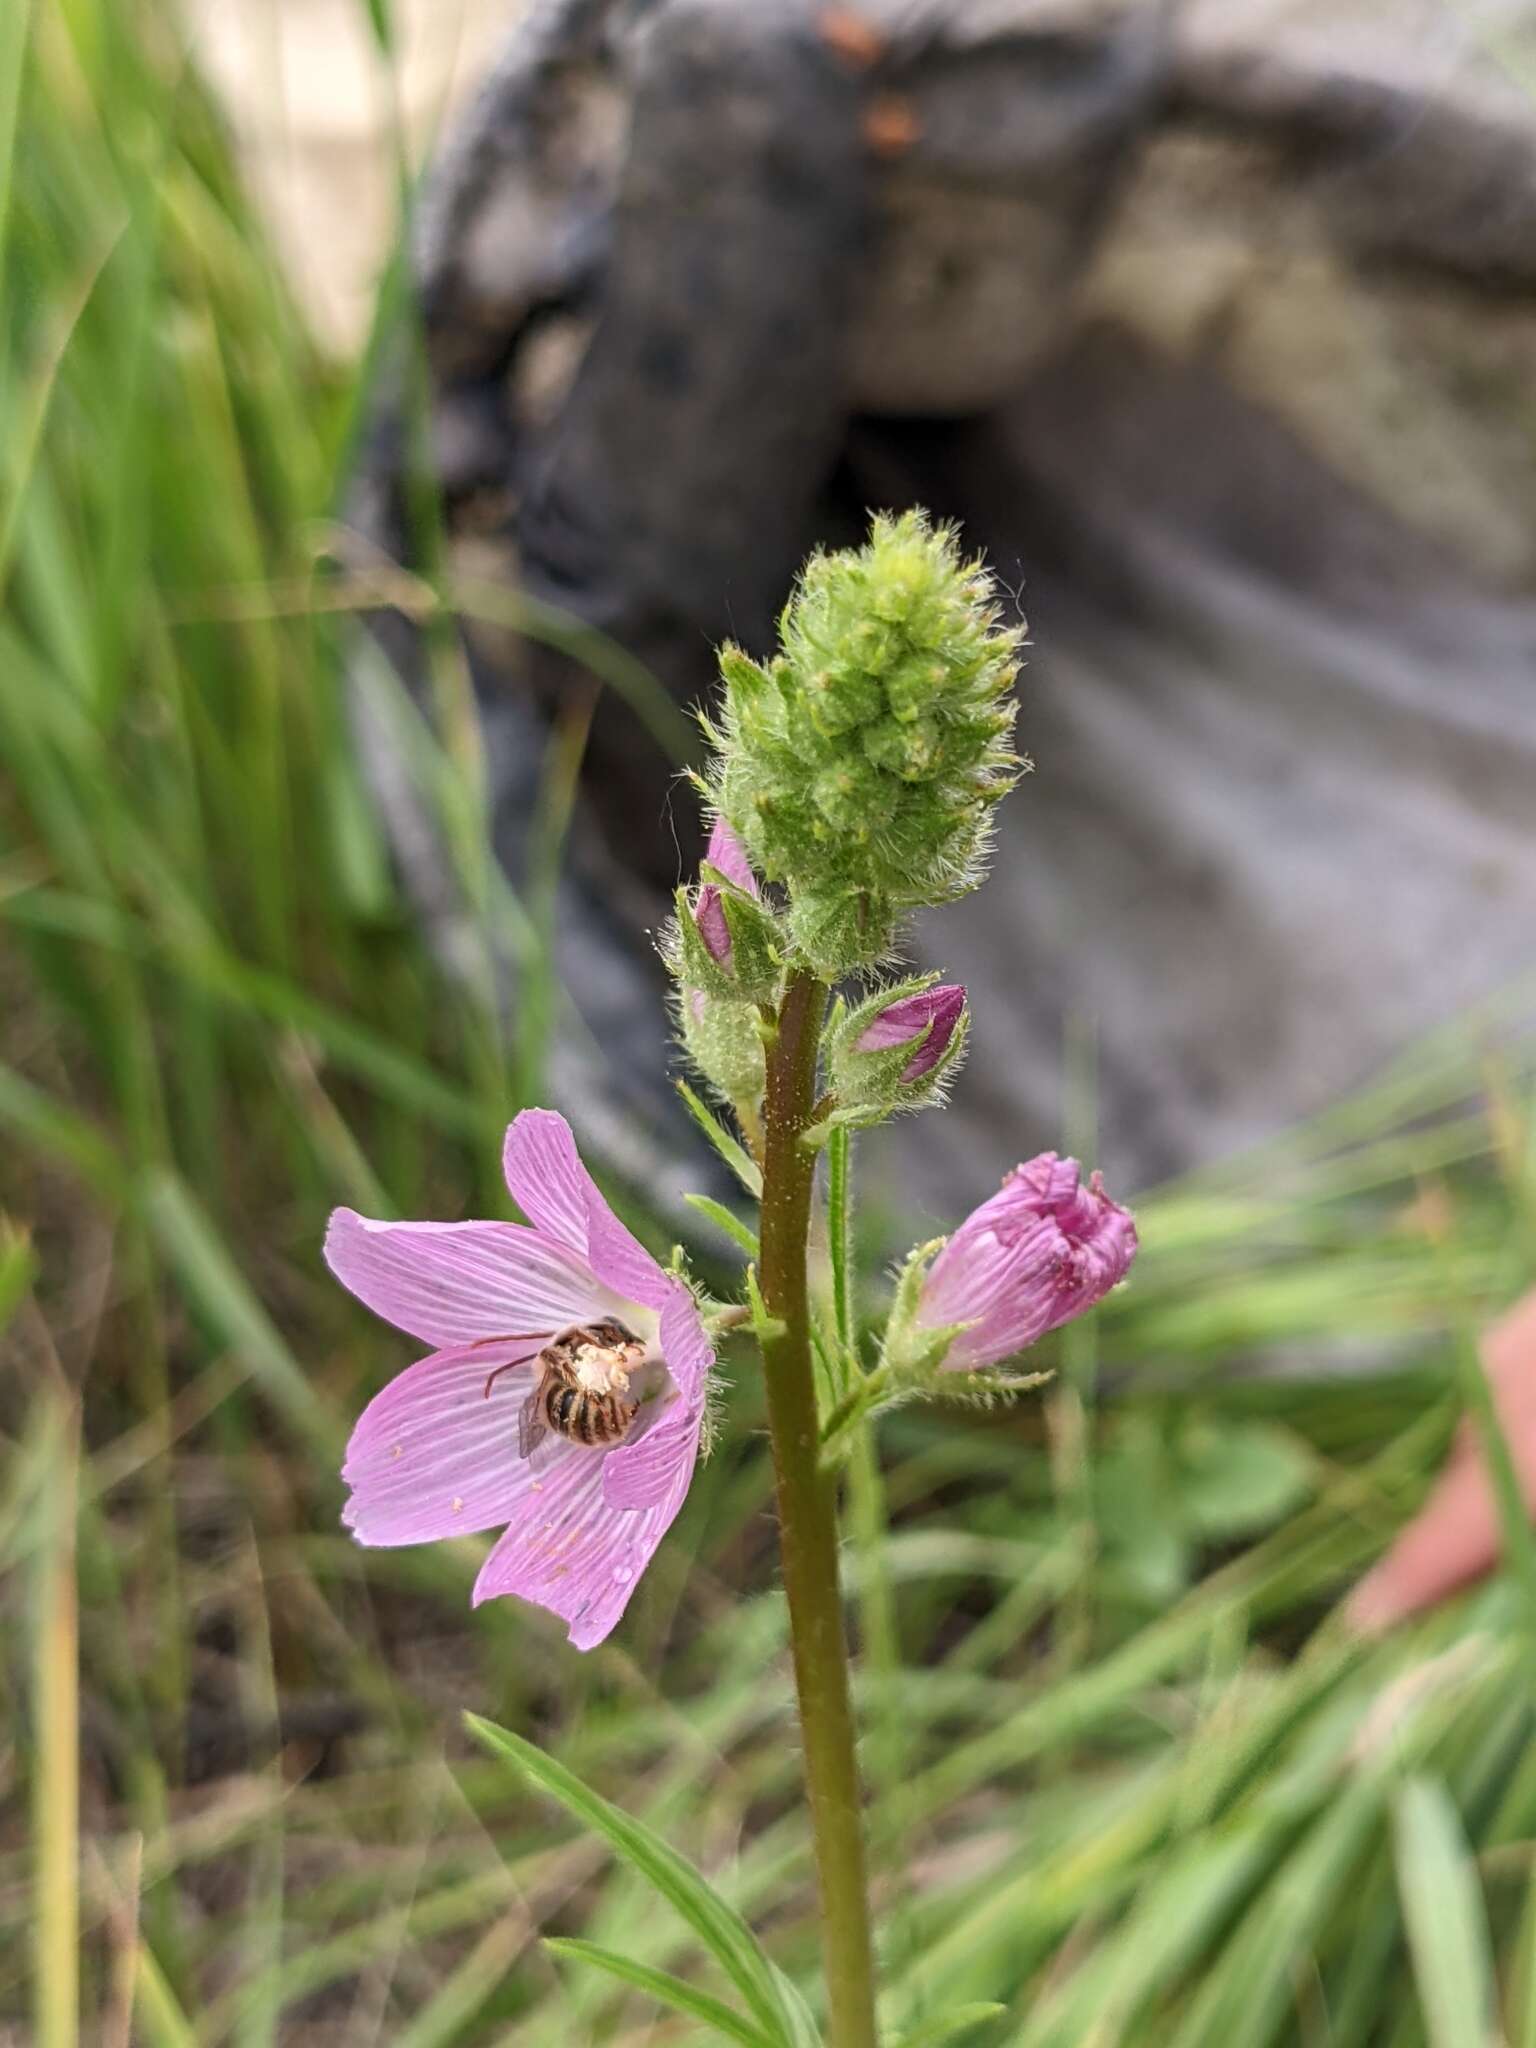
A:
(531, 1427)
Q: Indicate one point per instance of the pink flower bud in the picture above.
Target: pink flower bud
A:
(709, 916)
(1043, 1250)
(725, 853)
(926, 1022)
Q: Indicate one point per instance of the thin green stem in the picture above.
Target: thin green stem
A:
(808, 1524)
(840, 1236)
(880, 1637)
(878, 1627)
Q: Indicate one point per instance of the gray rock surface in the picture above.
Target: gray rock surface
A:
(1216, 327)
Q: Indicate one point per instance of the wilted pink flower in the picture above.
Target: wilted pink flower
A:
(440, 1452)
(925, 1021)
(1044, 1249)
(725, 853)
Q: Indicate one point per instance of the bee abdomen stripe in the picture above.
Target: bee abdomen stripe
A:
(561, 1402)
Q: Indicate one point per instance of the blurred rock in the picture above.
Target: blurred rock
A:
(314, 109)
(1216, 327)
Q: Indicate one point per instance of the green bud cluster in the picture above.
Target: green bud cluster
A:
(861, 765)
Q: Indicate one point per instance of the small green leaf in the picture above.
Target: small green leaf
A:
(719, 1927)
(722, 1219)
(665, 1989)
(735, 1155)
(1234, 1478)
(947, 2026)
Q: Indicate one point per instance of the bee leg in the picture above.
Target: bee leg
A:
(492, 1378)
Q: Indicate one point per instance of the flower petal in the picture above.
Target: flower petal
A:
(684, 1341)
(455, 1283)
(709, 916)
(620, 1260)
(569, 1552)
(436, 1453)
(545, 1174)
(647, 1471)
(725, 852)
(550, 1184)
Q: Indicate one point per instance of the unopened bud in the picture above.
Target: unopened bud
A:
(1044, 1250)
(726, 955)
(897, 1050)
(727, 939)
(724, 1043)
(923, 1024)
(723, 854)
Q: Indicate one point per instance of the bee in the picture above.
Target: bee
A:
(582, 1392)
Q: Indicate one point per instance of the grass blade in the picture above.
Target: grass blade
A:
(15, 21)
(18, 1270)
(162, 2020)
(215, 1285)
(57, 1785)
(949, 2026)
(719, 1927)
(665, 1989)
(54, 1129)
(1447, 1927)
(465, 1993)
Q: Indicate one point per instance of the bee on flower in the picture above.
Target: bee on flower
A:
(562, 1401)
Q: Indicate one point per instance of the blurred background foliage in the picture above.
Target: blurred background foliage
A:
(1131, 1778)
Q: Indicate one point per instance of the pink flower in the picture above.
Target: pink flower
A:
(925, 1021)
(725, 853)
(1044, 1249)
(440, 1451)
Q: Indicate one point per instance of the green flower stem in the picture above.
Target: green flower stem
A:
(807, 1497)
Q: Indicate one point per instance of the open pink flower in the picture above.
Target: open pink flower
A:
(438, 1452)
(1042, 1251)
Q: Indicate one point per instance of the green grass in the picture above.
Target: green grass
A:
(1131, 1781)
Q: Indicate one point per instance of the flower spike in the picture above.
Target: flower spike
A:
(861, 766)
